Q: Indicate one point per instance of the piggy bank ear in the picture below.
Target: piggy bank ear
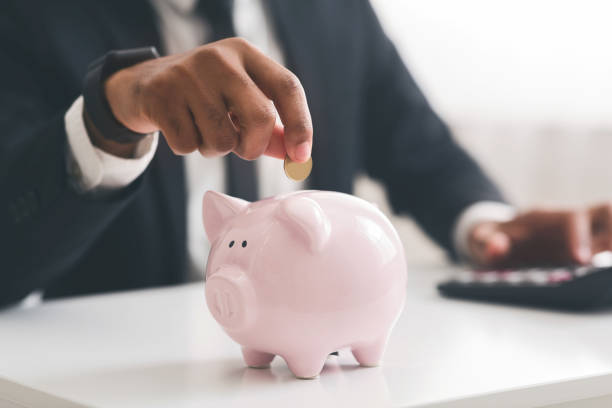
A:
(307, 219)
(217, 209)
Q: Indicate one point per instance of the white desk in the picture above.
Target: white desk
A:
(161, 348)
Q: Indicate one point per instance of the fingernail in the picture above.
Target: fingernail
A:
(302, 152)
(584, 254)
(498, 245)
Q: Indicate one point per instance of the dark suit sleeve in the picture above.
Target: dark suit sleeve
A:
(409, 148)
(44, 225)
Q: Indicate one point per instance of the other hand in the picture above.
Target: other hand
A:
(543, 237)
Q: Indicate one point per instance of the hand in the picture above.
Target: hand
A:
(190, 97)
(543, 237)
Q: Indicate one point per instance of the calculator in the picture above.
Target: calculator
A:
(570, 287)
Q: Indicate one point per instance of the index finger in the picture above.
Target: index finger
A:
(579, 236)
(285, 90)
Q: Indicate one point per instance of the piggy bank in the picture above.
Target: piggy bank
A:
(302, 275)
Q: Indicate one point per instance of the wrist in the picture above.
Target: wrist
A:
(478, 213)
(487, 243)
(107, 118)
(124, 150)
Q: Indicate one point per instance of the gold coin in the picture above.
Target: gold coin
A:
(297, 171)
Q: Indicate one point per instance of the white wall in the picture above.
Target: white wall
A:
(526, 87)
(510, 60)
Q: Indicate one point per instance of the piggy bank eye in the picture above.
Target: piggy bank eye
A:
(244, 244)
(231, 244)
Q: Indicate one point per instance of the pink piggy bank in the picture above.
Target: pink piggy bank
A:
(302, 275)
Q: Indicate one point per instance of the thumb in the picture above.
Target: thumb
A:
(489, 244)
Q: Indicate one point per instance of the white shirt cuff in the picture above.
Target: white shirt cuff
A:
(91, 168)
(483, 211)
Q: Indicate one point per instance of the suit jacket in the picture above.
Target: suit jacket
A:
(368, 115)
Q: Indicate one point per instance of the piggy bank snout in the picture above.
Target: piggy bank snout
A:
(230, 298)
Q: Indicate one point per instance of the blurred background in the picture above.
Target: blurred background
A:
(525, 86)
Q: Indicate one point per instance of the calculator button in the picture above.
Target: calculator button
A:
(465, 277)
(537, 276)
(488, 277)
(514, 277)
(560, 275)
(583, 271)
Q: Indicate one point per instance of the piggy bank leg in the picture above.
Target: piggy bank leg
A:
(306, 366)
(370, 354)
(256, 359)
